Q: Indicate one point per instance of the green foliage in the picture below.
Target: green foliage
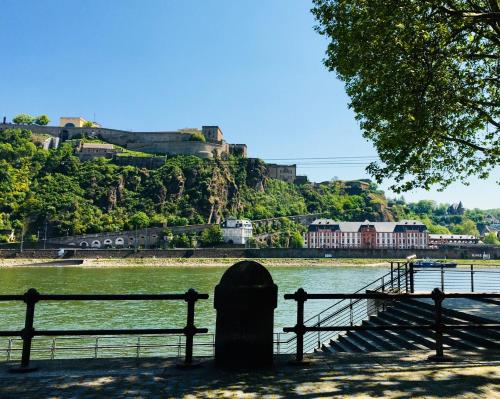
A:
(211, 236)
(491, 239)
(73, 197)
(181, 241)
(423, 81)
(23, 119)
(467, 227)
(197, 136)
(296, 240)
(139, 220)
(87, 124)
(42, 120)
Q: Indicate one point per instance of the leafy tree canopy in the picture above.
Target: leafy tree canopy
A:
(42, 120)
(23, 119)
(423, 78)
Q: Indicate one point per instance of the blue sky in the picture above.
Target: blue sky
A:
(252, 67)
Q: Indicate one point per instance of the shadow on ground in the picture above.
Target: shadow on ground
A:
(388, 375)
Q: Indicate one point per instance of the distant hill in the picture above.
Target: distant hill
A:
(54, 188)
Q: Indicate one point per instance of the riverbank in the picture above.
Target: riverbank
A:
(214, 262)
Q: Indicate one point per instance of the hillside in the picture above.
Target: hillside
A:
(39, 187)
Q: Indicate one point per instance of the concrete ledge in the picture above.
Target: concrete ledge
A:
(387, 374)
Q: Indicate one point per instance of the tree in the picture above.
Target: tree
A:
(23, 119)
(42, 120)
(296, 240)
(139, 220)
(491, 238)
(212, 236)
(423, 82)
(467, 227)
(87, 124)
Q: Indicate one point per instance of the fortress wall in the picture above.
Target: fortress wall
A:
(198, 148)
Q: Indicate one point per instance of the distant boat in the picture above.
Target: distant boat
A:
(433, 263)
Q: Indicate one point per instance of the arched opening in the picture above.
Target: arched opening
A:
(69, 124)
(64, 135)
(84, 244)
(96, 244)
(119, 242)
(108, 243)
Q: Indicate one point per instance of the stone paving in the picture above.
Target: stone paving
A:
(374, 375)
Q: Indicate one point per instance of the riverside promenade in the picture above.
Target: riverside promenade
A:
(344, 375)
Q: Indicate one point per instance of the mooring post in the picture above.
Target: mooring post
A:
(300, 297)
(31, 297)
(438, 297)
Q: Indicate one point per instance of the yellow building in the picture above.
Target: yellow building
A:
(74, 121)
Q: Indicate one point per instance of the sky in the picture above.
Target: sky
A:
(252, 67)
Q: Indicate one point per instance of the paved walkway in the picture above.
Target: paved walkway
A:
(374, 375)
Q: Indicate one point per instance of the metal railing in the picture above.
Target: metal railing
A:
(78, 347)
(352, 311)
(466, 277)
(32, 296)
(300, 329)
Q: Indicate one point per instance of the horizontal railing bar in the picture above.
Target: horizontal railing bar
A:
(395, 327)
(384, 295)
(45, 333)
(117, 332)
(103, 297)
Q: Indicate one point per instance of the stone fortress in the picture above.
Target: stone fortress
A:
(180, 142)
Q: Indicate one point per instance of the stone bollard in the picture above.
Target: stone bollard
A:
(245, 300)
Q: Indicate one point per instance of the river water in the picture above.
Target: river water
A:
(163, 314)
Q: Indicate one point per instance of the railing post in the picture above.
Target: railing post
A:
(438, 297)
(471, 278)
(350, 312)
(392, 275)
(300, 298)
(406, 277)
(28, 332)
(442, 278)
(319, 332)
(412, 278)
(190, 330)
(399, 278)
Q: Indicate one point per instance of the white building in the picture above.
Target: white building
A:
(327, 233)
(236, 231)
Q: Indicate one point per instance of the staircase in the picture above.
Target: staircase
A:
(410, 311)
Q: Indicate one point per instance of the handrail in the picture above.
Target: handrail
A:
(32, 296)
(395, 274)
(300, 329)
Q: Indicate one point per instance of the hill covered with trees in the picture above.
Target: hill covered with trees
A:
(54, 189)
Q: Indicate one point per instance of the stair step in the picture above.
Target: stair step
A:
(412, 336)
(338, 346)
(363, 341)
(350, 343)
(466, 336)
(398, 338)
(454, 317)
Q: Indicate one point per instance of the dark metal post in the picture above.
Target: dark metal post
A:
(392, 275)
(190, 329)
(442, 278)
(472, 278)
(406, 277)
(300, 297)
(399, 278)
(412, 278)
(28, 332)
(350, 312)
(437, 297)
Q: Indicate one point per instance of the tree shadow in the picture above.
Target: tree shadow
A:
(339, 376)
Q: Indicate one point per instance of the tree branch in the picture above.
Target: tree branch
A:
(484, 150)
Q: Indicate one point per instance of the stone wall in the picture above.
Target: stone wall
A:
(448, 252)
(150, 142)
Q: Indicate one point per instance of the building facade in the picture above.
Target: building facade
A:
(287, 173)
(86, 151)
(236, 231)
(447, 239)
(327, 233)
